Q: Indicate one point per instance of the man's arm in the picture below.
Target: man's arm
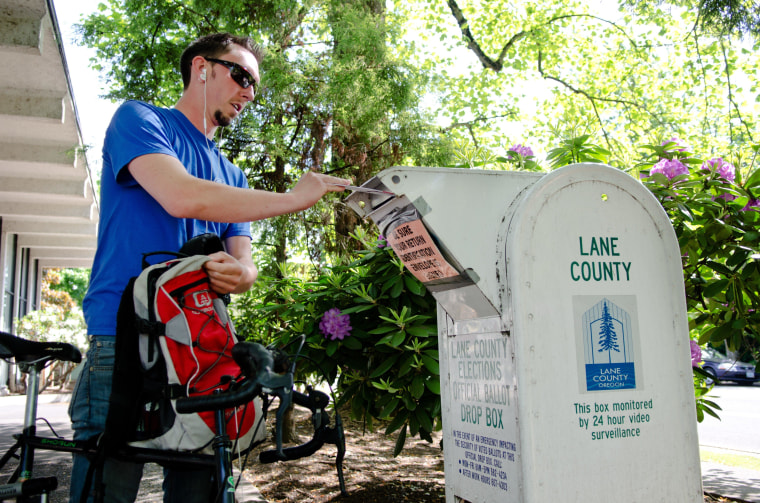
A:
(183, 195)
(232, 271)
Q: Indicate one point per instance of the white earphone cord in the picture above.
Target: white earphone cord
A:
(205, 134)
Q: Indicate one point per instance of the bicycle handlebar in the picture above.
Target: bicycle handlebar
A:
(225, 400)
(258, 366)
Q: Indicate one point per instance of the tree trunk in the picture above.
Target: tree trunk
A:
(289, 434)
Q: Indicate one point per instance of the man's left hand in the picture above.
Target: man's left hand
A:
(226, 274)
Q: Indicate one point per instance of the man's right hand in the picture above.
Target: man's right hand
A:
(312, 186)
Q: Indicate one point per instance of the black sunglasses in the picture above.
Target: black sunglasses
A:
(239, 74)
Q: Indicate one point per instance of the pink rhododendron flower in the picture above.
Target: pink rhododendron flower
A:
(682, 145)
(726, 197)
(335, 325)
(724, 169)
(670, 168)
(381, 241)
(752, 205)
(696, 353)
(524, 151)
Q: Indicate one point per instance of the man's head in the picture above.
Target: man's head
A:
(220, 74)
(214, 46)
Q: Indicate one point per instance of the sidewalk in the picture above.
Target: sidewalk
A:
(54, 408)
(734, 482)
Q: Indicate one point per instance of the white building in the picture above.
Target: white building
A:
(48, 206)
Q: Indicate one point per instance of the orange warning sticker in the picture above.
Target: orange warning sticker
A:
(418, 252)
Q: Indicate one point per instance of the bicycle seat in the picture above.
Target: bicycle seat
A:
(26, 351)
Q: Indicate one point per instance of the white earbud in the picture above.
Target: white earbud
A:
(203, 75)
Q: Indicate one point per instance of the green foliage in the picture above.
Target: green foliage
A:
(74, 282)
(387, 367)
(717, 230)
(502, 68)
(60, 317)
(50, 324)
(701, 389)
(333, 97)
(576, 150)
(740, 17)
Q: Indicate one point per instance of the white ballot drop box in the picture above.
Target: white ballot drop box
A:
(563, 338)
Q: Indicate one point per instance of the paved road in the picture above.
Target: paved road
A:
(54, 408)
(736, 431)
(737, 428)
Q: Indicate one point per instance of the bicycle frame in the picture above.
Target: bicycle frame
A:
(23, 486)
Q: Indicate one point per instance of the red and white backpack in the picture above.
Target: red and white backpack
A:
(176, 332)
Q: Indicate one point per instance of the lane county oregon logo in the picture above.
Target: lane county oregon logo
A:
(608, 348)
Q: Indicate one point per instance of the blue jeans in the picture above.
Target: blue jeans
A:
(88, 411)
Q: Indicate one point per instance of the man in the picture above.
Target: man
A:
(164, 182)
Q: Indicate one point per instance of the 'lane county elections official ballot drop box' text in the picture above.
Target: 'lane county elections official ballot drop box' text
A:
(563, 338)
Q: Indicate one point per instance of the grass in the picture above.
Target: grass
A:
(729, 458)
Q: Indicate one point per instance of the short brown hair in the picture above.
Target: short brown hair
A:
(213, 46)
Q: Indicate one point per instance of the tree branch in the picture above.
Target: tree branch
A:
(498, 64)
(731, 98)
(495, 65)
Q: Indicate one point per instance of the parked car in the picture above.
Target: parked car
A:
(723, 368)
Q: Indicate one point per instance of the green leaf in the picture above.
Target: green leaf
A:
(720, 333)
(431, 364)
(400, 441)
(389, 408)
(398, 287)
(397, 421)
(414, 285)
(332, 347)
(705, 337)
(422, 330)
(383, 329)
(434, 385)
(424, 419)
(392, 340)
(406, 365)
(716, 287)
(417, 388)
(753, 180)
(409, 402)
(352, 343)
(384, 366)
(357, 406)
(737, 257)
(359, 308)
(719, 268)
(388, 340)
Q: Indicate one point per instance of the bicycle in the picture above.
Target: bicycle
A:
(258, 378)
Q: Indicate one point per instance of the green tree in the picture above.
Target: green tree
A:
(59, 319)
(725, 17)
(72, 281)
(548, 71)
(333, 98)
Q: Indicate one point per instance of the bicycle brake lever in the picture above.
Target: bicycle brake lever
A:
(315, 401)
(281, 386)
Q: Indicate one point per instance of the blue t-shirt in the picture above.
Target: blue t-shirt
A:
(131, 221)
